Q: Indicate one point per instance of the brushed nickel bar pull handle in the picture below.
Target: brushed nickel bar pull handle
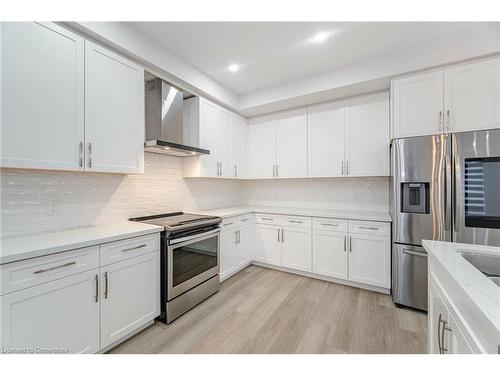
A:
(370, 228)
(448, 117)
(277, 170)
(345, 243)
(350, 244)
(439, 335)
(244, 219)
(105, 285)
(226, 224)
(55, 267)
(239, 237)
(282, 234)
(134, 248)
(267, 219)
(80, 149)
(274, 170)
(236, 237)
(329, 225)
(342, 168)
(96, 278)
(347, 167)
(295, 221)
(90, 155)
(278, 234)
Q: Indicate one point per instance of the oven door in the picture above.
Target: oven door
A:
(192, 260)
(477, 187)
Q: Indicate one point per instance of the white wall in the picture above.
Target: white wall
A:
(86, 199)
(328, 193)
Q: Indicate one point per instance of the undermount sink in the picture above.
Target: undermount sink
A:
(488, 264)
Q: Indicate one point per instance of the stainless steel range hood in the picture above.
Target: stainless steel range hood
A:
(165, 132)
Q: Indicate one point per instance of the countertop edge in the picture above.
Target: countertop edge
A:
(99, 239)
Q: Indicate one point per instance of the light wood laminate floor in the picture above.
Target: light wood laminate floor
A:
(261, 310)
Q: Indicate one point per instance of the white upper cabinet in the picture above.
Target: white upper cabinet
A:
(69, 104)
(462, 98)
(261, 133)
(238, 146)
(367, 146)
(472, 96)
(291, 143)
(326, 128)
(218, 130)
(42, 109)
(114, 112)
(223, 142)
(418, 105)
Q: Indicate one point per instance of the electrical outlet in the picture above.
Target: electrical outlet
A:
(53, 208)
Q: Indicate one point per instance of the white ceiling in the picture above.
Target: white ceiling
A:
(275, 53)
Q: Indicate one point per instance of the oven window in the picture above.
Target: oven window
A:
(482, 192)
(194, 259)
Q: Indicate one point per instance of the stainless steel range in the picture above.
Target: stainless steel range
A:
(189, 260)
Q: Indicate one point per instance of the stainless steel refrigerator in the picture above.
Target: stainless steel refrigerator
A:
(446, 188)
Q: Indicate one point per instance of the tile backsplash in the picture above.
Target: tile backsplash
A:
(39, 201)
(329, 193)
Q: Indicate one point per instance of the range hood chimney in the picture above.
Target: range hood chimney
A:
(165, 133)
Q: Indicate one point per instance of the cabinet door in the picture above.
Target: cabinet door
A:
(367, 145)
(472, 96)
(42, 73)
(62, 314)
(457, 342)
(130, 292)
(326, 138)
(114, 112)
(208, 126)
(418, 105)
(261, 133)
(291, 143)
(223, 142)
(296, 251)
(436, 315)
(330, 254)
(238, 146)
(228, 249)
(244, 254)
(369, 260)
(267, 247)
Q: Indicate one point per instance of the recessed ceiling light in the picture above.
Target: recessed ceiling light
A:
(320, 37)
(234, 68)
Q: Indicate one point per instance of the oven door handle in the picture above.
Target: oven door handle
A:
(193, 238)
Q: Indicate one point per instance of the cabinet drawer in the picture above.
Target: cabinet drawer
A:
(131, 247)
(268, 219)
(369, 227)
(337, 225)
(297, 221)
(229, 223)
(244, 219)
(31, 272)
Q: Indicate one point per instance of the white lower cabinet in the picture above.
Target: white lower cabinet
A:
(445, 336)
(369, 259)
(330, 254)
(244, 251)
(130, 296)
(62, 314)
(296, 250)
(70, 304)
(236, 246)
(267, 245)
(228, 250)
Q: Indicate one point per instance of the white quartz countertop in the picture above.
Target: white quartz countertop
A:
(484, 294)
(330, 213)
(13, 249)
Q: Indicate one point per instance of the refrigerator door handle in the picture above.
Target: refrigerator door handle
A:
(447, 188)
(457, 179)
